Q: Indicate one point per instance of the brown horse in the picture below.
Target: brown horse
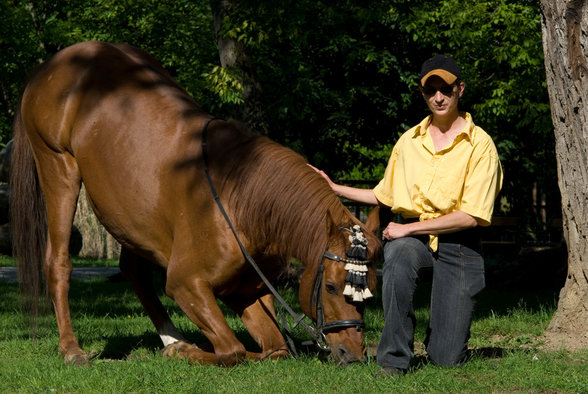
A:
(109, 116)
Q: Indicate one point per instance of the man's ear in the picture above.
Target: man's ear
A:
(461, 87)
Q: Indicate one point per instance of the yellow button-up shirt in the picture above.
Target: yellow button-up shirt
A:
(422, 183)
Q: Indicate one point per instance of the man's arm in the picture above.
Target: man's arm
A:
(365, 196)
(450, 223)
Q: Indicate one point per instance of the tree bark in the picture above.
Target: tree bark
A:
(96, 241)
(565, 44)
(233, 54)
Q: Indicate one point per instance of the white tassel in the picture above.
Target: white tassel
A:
(348, 290)
(357, 296)
(367, 293)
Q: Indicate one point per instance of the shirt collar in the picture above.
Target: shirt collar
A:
(421, 128)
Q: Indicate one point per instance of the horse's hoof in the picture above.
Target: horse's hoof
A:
(79, 360)
(176, 349)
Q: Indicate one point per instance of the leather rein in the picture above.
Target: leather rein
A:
(318, 333)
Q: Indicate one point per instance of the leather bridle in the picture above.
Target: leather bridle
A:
(318, 333)
(316, 300)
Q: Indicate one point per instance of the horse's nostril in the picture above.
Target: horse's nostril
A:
(346, 357)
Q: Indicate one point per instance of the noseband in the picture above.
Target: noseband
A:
(356, 282)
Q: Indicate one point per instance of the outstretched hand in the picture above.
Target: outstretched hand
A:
(365, 196)
(322, 173)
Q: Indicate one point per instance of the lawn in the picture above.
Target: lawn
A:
(110, 323)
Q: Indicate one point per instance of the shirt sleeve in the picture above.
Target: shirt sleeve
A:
(483, 183)
(384, 189)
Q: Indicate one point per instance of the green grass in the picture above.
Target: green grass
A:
(8, 261)
(110, 322)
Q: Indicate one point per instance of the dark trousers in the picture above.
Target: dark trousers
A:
(458, 277)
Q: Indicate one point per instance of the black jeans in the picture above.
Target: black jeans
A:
(458, 277)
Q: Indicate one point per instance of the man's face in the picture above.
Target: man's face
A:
(442, 98)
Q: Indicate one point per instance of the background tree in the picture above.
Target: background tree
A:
(236, 67)
(565, 32)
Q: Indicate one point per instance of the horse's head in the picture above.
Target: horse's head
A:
(334, 294)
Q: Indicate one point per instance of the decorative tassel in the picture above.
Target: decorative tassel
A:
(348, 290)
(356, 280)
(367, 293)
(358, 247)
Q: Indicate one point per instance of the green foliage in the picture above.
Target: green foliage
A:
(338, 80)
(19, 49)
(327, 73)
(226, 83)
(178, 33)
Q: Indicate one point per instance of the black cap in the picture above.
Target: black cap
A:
(442, 66)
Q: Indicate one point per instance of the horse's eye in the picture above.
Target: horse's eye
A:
(331, 288)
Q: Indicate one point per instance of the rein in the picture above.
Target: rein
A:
(318, 333)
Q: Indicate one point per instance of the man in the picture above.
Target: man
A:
(442, 177)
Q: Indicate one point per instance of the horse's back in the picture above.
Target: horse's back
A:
(97, 82)
(131, 130)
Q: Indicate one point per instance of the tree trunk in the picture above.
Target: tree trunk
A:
(96, 241)
(565, 44)
(233, 54)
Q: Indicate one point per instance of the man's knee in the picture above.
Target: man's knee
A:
(403, 256)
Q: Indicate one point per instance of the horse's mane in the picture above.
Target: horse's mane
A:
(280, 201)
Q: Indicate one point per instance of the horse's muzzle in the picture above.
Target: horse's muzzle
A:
(344, 356)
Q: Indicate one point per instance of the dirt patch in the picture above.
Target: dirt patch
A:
(555, 341)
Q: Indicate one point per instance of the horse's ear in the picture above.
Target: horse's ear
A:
(372, 223)
(372, 280)
(332, 229)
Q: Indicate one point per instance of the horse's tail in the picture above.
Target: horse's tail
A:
(28, 217)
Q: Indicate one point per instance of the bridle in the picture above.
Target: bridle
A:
(318, 333)
(316, 300)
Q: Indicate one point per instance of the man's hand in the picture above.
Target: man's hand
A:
(395, 230)
(322, 173)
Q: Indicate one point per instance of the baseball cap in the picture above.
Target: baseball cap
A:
(442, 66)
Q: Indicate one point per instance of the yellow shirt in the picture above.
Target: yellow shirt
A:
(421, 183)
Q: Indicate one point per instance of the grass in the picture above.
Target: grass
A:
(7, 261)
(110, 322)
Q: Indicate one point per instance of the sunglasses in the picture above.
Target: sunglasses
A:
(446, 90)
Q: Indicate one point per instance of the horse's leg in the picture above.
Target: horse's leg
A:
(60, 181)
(260, 319)
(138, 272)
(197, 300)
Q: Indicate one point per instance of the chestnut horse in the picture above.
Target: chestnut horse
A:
(109, 116)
